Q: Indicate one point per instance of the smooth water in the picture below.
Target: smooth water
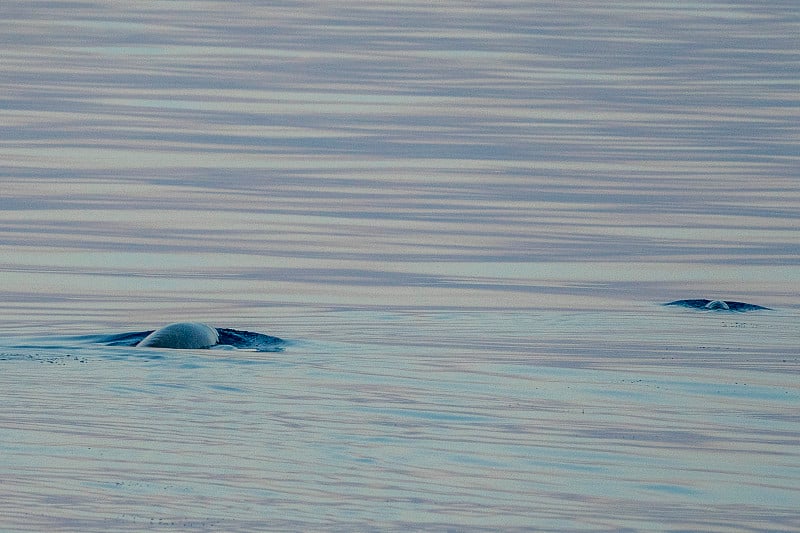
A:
(462, 217)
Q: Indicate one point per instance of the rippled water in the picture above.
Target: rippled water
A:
(462, 217)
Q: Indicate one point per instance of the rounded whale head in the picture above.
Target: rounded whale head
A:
(187, 335)
(717, 304)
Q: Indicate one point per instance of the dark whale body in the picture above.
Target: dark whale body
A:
(717, 305)
(190, 335)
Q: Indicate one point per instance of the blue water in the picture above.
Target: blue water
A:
(463, 219)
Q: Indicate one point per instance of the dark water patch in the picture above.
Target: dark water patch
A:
(123, 339)
(250, 340)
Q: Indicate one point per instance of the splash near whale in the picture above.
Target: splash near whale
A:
(196, 336)
(717, 305)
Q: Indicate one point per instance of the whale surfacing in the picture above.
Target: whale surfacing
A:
(717, 305)
(194, 336)
(186, 335)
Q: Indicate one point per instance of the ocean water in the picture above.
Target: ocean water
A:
(462, 217)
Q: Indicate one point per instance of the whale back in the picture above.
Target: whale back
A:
(186, 335)
(718, 305)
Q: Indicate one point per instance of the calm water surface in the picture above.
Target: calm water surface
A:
(463, 217)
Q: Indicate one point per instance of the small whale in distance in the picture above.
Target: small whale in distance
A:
(717, 305)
